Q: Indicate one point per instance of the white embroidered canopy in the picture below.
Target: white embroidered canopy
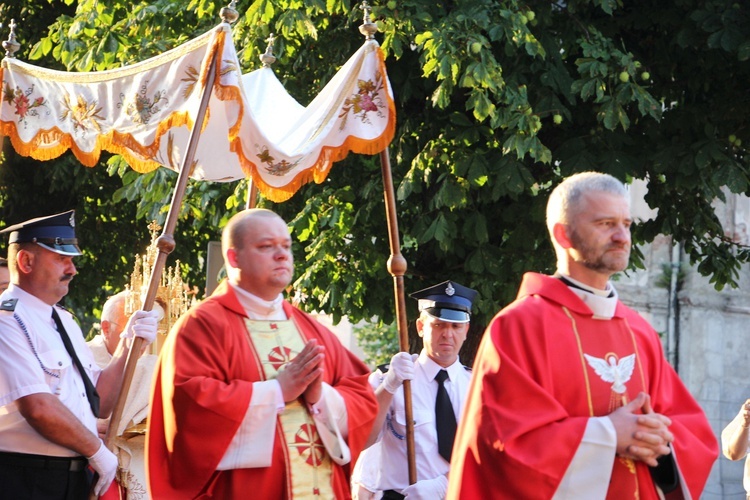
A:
(253, 127)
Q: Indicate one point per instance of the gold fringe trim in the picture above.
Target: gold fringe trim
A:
(328, 155)
(50, 144)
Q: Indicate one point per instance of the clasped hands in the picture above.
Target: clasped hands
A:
(303, 376)
(641, 436)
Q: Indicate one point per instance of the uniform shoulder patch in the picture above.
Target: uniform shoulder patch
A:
(8, 305)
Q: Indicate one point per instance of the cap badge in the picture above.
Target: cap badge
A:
(449, 290)
(72, 219)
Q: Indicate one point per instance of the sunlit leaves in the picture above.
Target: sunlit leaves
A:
(609, 78)
(494, 107)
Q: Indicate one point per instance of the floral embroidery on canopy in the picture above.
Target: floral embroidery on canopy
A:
(191, 78)
(140, 108)
(366, 100)
(275, 168)
(229, 66)
(20, 99)
(83, 114)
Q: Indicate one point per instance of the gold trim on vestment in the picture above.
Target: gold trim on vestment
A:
(628, 463)
(583, 361)
(309, 467)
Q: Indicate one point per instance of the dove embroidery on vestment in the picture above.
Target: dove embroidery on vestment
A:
(610, 370)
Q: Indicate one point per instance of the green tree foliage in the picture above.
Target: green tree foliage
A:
(378, 341)
(497, 101)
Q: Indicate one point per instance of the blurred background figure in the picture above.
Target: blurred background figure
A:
(4, 275)
(131, 434)
(735, 439)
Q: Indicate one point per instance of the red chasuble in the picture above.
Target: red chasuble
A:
(535, 385)
(202, 388)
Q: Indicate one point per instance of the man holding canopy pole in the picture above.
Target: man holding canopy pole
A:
(439, 382)
(51, 389)
(251, 393)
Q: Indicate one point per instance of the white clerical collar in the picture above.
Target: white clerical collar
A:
(257, 308)
(601, 302)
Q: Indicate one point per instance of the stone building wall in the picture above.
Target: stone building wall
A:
(706, 333)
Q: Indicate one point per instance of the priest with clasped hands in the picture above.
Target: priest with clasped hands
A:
(252, 394)
(572, 397)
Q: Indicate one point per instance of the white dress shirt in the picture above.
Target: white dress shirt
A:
(34, 360)
(393, 469)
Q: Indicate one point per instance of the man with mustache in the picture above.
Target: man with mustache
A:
(252, 396)
(572, 397)
(51, 389)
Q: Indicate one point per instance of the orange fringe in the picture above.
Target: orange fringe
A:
(41, 146)
(50, 144)
(328, 155)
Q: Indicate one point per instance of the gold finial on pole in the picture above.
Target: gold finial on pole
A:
(267, 58)
(368, 28)
(11, 46)
(229, 13)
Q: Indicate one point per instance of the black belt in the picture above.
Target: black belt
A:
(392, 495)
(70, 464)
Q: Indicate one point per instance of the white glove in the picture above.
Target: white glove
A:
(142, 324)
(104, 463)
(400, 369)
(427, 489)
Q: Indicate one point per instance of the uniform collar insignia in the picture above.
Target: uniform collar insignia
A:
(8, 305)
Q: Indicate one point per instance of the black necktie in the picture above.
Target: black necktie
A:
(445, 419)
(91, 393)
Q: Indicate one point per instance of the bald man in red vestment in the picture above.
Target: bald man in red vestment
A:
(571, 396)
(252, 396)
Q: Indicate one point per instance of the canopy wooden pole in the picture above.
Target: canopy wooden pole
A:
(397, 268)
(252, 194)
(165, 243)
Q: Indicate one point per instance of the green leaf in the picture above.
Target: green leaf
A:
(703, 158)
(743, 51)
(589, 89)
